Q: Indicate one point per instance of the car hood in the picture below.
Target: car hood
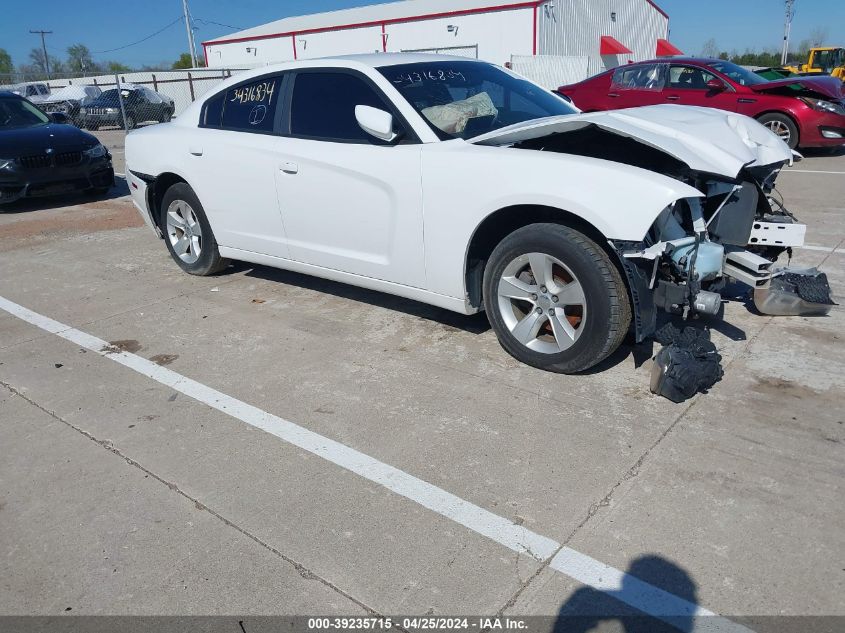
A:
(99, 102)
(825, 87)
(705, 139)
(36, 140)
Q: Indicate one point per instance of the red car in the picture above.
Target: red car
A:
(803, 111)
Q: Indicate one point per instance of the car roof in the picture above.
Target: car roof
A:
(684, 59)
(7, 93)
(380, 60)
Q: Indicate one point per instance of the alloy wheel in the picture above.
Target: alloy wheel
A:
(781, 129)
(542, 303)
(184, 231)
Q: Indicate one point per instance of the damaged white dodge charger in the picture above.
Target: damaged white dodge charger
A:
(459, 184)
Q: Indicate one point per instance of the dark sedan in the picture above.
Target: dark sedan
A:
(803, 111)
(140, 103)
(40, 157)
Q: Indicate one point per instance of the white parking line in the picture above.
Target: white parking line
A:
(809, 171)
(633, 591)
(814, 247)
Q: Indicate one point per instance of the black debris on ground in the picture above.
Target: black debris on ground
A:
(811, 288)
(687, 364)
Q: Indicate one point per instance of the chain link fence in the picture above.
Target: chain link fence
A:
(123, 100)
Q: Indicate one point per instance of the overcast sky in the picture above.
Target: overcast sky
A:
(734, 24)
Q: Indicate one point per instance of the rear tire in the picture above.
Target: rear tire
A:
(783, 126)
(188, 234)
(555, 299)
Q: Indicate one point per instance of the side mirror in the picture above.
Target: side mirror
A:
(376, 122)
(59, 117)
(716, 85)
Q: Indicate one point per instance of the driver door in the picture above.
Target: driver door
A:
(687, 85)
(349, 202)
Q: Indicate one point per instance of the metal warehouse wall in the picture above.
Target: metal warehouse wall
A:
(574, 27)
(496, 34)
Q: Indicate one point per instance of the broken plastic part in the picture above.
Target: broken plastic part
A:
(688, 364)
(795, 292)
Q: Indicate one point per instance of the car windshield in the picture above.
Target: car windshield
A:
(111, 95)
(465, 99)
(740, 75)
(17, 113)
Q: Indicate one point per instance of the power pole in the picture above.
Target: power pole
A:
(44, 48)
(190, 33)
(787, 28)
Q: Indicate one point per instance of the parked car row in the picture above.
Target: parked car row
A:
(140, 104)
(92, 108)
(803, 111)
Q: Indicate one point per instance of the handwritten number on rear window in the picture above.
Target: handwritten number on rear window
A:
(255, 93)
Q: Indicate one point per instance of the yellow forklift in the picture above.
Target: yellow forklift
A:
(829, 60)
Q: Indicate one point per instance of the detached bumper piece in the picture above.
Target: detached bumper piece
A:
(688, 364)
(795, 292)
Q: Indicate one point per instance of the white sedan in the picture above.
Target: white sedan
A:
(460, 184)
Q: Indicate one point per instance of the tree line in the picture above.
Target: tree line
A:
(78, 61)
(768, 57)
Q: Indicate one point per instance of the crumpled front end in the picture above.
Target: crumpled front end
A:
(734, 233)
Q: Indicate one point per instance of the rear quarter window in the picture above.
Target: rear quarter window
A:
(250, 107)
(212, 112)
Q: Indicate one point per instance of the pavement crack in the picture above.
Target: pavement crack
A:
(629, 474)
(108, 445)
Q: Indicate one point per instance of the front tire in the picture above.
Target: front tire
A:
(187, 232)
(555, 299)
(783, 127)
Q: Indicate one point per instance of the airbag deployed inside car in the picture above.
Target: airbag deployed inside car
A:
(453, 117)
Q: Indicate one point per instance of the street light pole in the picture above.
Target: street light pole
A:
(190, 34)
(44, 48)
(787, 28)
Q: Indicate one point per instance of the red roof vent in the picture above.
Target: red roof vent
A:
(665, 48)
(612, 46)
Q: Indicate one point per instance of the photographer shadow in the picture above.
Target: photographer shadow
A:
(595, 610)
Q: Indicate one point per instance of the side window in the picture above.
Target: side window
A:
(251, 107)
(323, 106)
(639, 77)
(689, 78)
(212, 112)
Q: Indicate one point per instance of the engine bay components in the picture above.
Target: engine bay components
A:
(795, 292)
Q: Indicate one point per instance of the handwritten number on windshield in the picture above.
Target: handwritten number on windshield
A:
(430, 75)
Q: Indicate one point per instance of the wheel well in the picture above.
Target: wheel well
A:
(155, 194)
(502, 223)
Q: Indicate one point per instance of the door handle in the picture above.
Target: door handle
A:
(673, 98)
(290, 168)
(196, 151)
(613, 94)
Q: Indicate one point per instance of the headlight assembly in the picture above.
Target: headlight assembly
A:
(821, 105)
(96, 151)
(6, 162)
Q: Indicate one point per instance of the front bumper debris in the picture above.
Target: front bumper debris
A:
(795, 292)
